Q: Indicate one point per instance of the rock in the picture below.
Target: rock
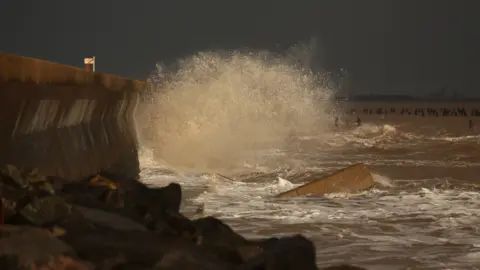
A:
(50, 211)
(158, 209)
(30, 179)
(46, 210)
(19, 189)
(172, 223)
(103, 181)
(344, 267)
(110, 220)
(255, 247)
(26, 247)
(15, 174)
(126, 225)
(190, 257)
(351, 179)
(98, 188)
(11, 198)
(216, 233)
(33, 210)
(62, 263)
(145, 199)
(90, 201)
(127, 248)
(287, 253)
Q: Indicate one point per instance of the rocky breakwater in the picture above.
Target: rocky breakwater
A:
(107, 222)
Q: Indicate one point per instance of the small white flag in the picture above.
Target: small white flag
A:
(89, 61)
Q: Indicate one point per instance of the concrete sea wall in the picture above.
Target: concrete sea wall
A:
(65, 121)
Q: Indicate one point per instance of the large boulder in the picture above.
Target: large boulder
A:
(28, 198)
(286, 253)
(46, 210)
(97, 190)
(145, 199)
(19, 187)
(128, 249)
(344, 267)
(191, 257)
(32, 248)
(214, 232)
(110, 220)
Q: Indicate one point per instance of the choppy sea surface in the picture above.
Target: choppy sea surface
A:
(423, 214)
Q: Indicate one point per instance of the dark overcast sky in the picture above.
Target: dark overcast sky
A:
(387, 45)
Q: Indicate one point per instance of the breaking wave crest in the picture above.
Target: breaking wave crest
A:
(217, 109)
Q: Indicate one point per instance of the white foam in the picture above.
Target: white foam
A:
(382, 180)
(387, 220)
(367, 135)
(284, 183)
(238, 199)
(423, 216)
(471, 138)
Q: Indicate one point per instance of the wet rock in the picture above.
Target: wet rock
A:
(20, 188)
(224, 244)
(62, 263)
(216, 233)
(28, 247)
(10, 199)
(15, 174)
(98, 189)
(46, 210)
(89, 201)
(145, 199)
(136, 249)
(255, 247)
(287, 253)
(110, 220)
(172, 223)
(30, 179)
(158, 209)
(194, 258)
(103, 181)
(120, 224)
(344, 267)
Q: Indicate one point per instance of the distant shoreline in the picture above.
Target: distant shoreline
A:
(403, 98)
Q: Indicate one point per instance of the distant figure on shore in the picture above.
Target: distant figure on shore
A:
(336, 121)
(470, 125)
(359, 121)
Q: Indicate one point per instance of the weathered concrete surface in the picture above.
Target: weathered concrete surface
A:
(351, 179)
(66, 121)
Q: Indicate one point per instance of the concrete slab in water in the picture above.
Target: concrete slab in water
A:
(351, 179)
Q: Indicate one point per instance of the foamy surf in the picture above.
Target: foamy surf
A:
(401, 217)
(236, 129)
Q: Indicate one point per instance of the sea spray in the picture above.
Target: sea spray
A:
(216, 111)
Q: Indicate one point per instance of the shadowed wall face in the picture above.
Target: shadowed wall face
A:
(65, 121)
